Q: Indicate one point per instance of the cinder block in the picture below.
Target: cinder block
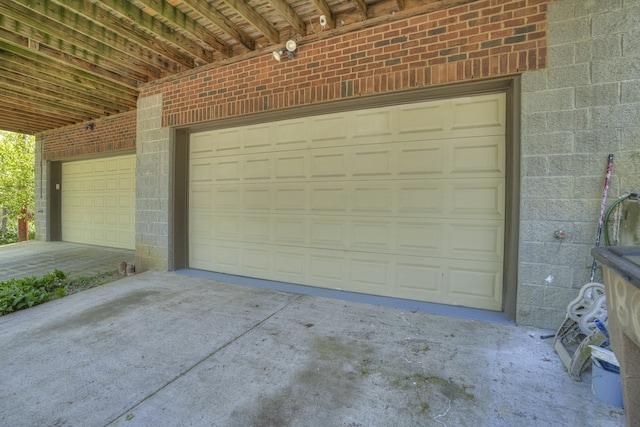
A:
(561, 55)
(534, 81)
(533, 209)
(545, 187)
(630, 92)
(533, 124)
(599, 49)
(597, 95)
(535, 166)
(569, 76)
(597, 140)
(548, 100)
(547, 143)
(631, 43)
(619, 20)
(616, 70)
(569, 31)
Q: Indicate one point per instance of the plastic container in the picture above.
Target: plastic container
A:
(605, 382)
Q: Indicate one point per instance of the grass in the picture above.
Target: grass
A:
(20, 294)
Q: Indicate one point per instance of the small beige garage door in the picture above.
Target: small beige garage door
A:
(403, 201)
(98, 202)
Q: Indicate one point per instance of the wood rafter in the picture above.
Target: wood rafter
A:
(68, 61)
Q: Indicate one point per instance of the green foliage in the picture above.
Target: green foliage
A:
(17, 294)
(16, 174)
(11, 233)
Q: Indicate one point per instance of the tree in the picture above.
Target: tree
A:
(16, 180)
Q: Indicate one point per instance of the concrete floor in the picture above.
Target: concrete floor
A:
(164, 349)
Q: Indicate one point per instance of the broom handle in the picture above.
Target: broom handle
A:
(603, 209)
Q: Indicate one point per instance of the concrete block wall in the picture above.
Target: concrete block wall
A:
(40, 192)
(153, 187)
(583, 106)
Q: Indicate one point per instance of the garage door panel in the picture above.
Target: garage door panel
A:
(422, 119)
(419, 277)
(98, 202)
(372, 123)
(255, 228)
(420, 159)
(328, 197)
(478, 156)
(481, 198)
(257, 260)
(256, 138)
(227, 169)
(201, 145)
(473, 113)
(257, 198)
(326, 270)
(328, 233)
(368, 198)
(290, 230)
(329, 164)
(482, 241)
(227, 198)
(370, 274)
(476, 282)
(291, 165)
(420, 237)
(420, 198)
(330, 128)
(290, 266)
(257, 167)
(227, 142)
(290, 135)
(372, 162)
(291, 197)
(404, 201)
(371, 235)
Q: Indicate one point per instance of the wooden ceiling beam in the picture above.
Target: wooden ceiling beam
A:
(93, 13)
(290, 16)
(255, 19)
(64, 55)
(58, 94)
(178, 18)
(37, 105)
(30, 64)
(362, 7)
(103, 44)
(324, 9)
(15, 120)
(222, 22)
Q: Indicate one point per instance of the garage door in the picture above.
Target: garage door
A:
(98, 202)
(404, 201)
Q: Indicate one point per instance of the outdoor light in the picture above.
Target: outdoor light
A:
(289, 49)
(89, 126)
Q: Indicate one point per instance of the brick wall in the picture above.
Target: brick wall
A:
(478, 40)
(109, 134)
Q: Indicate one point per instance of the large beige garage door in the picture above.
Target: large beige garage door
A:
(98, 202)
(404, 201)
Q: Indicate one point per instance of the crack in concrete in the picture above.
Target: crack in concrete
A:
(296, 298)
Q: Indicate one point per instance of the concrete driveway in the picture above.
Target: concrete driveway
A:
(164, 349)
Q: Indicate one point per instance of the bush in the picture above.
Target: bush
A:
(17, 294)
(11, 234)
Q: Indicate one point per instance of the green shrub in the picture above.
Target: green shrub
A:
(11, 233)
(17, 294)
